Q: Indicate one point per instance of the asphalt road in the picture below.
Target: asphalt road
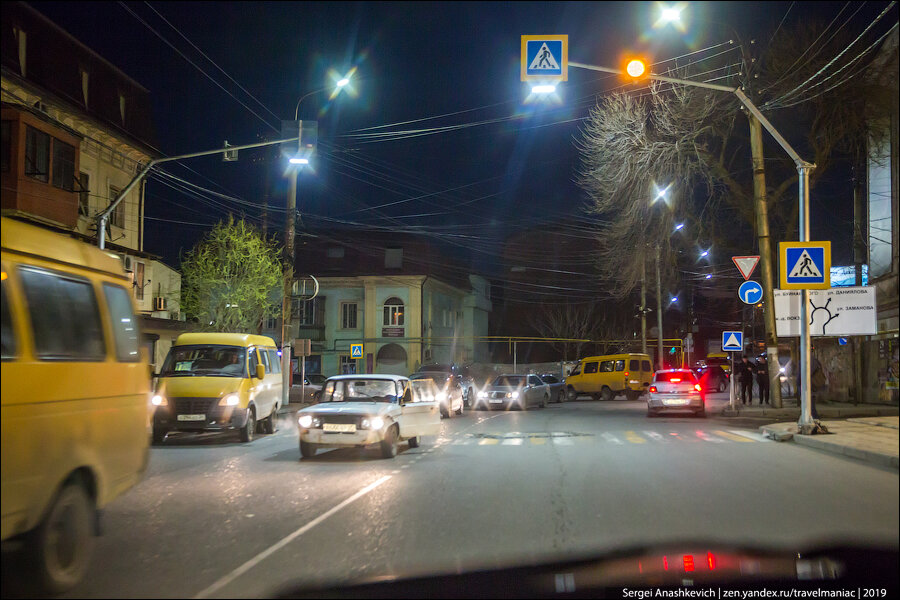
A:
(216, 518)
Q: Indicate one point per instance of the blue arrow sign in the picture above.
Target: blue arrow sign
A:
(750, 292)
(732, 341)
(842, 341)
(356, 350)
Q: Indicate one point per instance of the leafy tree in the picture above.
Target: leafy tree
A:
(231, 280)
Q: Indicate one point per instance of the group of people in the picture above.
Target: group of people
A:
(745, 372)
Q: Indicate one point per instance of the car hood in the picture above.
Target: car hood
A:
(368, 408)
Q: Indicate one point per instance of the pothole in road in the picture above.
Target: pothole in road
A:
(520, 435)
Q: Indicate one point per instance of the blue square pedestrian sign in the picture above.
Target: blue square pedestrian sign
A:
(356, 350)
(545, 57)
(805, 265)
(732, 341)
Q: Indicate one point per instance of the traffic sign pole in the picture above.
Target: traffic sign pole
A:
(806, 424)
(731, 382)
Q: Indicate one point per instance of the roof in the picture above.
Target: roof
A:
(225, 339)
(31, 240)
(370, 376)
(612, 356)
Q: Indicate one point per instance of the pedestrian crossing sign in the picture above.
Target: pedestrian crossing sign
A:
(805, 265)
(732, 341)
(545, 58)
(356, 350)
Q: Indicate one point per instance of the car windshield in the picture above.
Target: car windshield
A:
(423, 389)
(360, 390)
(509, 381)
(205, 361)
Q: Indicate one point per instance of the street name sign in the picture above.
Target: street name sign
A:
(835, 312)
(745, 264)
(545, 58)
(750, 292)
(805, 265)
(356, 350)
(732, 341)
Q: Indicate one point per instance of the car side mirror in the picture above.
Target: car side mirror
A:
(260, 371)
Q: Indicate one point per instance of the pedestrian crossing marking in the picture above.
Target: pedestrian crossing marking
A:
(753, 436)
(513, 441)
(563, 441)
(706, 438)
(731, 436)
(538, 441)
(488, 442)
(634, 438)
(657, 436)
(611, 438)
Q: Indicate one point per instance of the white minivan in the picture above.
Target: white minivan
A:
(362, 410)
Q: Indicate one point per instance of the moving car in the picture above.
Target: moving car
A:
(676, 390)
(447, 376)
(712, 378)
(362, 410)
(605, 377)
(515, 391)
(76, 386)
(450, 399)
(557, 386)
(218, 382)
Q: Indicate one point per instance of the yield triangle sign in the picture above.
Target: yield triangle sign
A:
(745, 264)
(544, 60)
(805, 266)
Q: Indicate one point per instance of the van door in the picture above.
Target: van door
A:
(591, 378)
(418, 416)
(274, 379)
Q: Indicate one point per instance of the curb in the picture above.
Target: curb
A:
(813, 441)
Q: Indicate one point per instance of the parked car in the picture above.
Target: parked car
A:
(515, 391)
(712, 378)
(363, 410)
(446, 376)
(312, 385)
(557, 387)
(449, 399)
(676, 390)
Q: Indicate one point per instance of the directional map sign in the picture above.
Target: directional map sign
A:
(805, 265)
(545, 58)
(835, 312)
(732, 341)
(750, 292)
(745, 264)
(356, 350)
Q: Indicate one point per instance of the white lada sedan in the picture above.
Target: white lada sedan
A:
(362, 410)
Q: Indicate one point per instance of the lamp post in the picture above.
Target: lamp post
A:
(290, 218)
(806, 423)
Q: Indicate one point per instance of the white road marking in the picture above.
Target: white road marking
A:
(563, 441)
(708, 438)
(285, 541)
(756, 437)
(656, 436)
(611, 438)
(512, 441)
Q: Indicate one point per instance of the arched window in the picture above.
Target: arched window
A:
(391, 354)
(393, 312)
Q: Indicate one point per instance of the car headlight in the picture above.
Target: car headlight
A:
(377, 422)
(230, 400)
(305, 421)
(441, 396)
(482, 394)
(514, 395)
(159, 400)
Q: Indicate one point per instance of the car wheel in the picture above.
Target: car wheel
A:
(544, 400)
(159, 436)
(606, 394)
(413, 442)
(307, 450)
(389, 443)
(59, 549)
(249, 428)
(632, 395)
(445, 414)
(571, 394)
(459, 411)
(561, 397)
(270, 422)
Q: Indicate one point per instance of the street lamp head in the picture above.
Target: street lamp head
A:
(704, 254)
(342, 82)
(679, 227)
(299, 161)
(635, 68)
(543, 89)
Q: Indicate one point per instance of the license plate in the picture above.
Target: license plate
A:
(191, 417)
(496, 401)
(339, 427)
(675, 402)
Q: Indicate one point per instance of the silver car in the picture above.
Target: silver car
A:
(676, 390)
(514, 391)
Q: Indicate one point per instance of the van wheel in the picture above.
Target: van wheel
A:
(270, 422)
(606, 394)
(249, 428)
(59, 549)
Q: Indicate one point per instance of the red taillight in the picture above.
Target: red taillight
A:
(711, 560)
(688, 561)
(653, 389)
(666, 563)
(626, 373)
(675, 379)
(697, 387)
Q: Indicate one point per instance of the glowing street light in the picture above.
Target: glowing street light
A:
(636, 68)
(704, 254)
(709, 276)
(543, 89)
(671, 14)
(679, 226)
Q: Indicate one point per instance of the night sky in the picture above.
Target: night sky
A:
(502, 164)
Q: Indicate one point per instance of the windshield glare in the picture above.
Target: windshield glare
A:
(359, 390)
(205, 361)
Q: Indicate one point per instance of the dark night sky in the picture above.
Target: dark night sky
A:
(413, 61)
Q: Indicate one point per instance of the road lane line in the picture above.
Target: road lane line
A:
(611, 438)
(731, 436)
(634, 438)
(285, 541)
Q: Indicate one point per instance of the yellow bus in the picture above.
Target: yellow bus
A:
(75, 398)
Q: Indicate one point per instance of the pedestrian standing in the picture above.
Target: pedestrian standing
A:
(745, 378)
(762, 380)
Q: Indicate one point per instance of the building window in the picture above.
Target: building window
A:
(84, 194)
(63, 165)
(393, 258)
(348, 315)
(37, 154)
(117, 217)
(6, 146)
(310, 312)
(139, 281)
(393, 312)
(271, 323)
(348, 365)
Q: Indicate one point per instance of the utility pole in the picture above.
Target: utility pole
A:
(659, 324)
(286, 308)
(859, 257)
(643, 301)
(765, 259)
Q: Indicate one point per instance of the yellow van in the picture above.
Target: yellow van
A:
(75, 392)
(217, 382)
(719, 359)
(607, 376)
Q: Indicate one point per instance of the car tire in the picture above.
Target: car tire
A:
(388, 444)
(413, 442)
(606, 394)
(270, 426)
(58, 551)
(159, 436)
(249, 427)
(445, 414)
(651, 413)
(544, 401)
(307, 450)
(632, 395)
(460, 410)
